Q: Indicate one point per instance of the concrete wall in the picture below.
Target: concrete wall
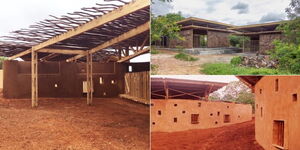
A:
(266, 41)
(277, 105)
(211, 114)
(61, 79)
(187, 43)
(217, 39)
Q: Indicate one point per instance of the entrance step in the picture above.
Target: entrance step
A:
(212, 51)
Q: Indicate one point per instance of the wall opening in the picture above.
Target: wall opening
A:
(56, 85)
(159, 112)
(295, 97)
(194, 118)
(216, 122)
(261, 111)
(278, 133)
(226, 118)
(153, 123)
(227, 106)
(260, 91)
(183, 112)
(199, 104)
(276, 85)
(175, 105)
(130, 69)
(211, 114)
(101, 80)
(175, 120)
(218, 113)
(113, 82)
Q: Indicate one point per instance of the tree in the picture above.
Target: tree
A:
(294, 10)
(166, 26)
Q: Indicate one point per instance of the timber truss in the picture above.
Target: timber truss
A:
(115, 31)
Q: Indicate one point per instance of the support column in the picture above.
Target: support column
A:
(34, 79)
(89, 78)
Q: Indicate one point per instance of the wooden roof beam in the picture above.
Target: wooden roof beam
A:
(136, 31)
(138, 53)
(113, 15)
(62, 51)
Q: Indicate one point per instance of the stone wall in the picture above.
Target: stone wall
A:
(266, 41)
(217, 39)
(187, 43)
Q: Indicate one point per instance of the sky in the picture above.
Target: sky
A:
(235, 12)
(211, 78)
(17, 14)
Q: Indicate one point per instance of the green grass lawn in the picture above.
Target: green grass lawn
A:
(185, 57)
(229, 69)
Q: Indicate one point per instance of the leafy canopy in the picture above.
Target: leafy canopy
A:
(166, 26)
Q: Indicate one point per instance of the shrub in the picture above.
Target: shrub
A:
(288, 55)
(228, 69)
(154, 51)
(185, 57)
(236, 60)
(154, 69)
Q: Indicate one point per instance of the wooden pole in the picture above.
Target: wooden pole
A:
(89, 77)
(34, 79)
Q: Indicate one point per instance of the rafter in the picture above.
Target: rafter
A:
(138, 53)
(136, 31)
(62, 51)
(113, 15)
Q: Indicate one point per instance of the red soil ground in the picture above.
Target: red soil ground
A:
(234, 137)
(70, 124)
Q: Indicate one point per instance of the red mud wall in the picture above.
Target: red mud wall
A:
(187, 43)
(211, 114)
(68, 77)
(281, 105)
(217, 39)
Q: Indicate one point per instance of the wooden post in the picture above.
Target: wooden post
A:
(89, 78)
(34, 78)
(243, 43)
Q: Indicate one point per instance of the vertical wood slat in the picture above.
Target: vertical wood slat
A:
(34, 79)
(137, 85)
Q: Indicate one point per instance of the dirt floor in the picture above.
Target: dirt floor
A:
(59, 124)
(234, 137)
(168, 65)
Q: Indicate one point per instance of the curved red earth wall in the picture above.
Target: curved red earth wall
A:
(211, 114)
(278, 106)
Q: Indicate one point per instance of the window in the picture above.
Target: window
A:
(226, 118)
(278, 133)
(194, 118)
(199, 104)
(113, 82)
(101, 80)
(260, 91)
(159, 112)
(218, 113)
(295, 97)
(130, 69)
(56, 85)
(175, 119)
(175, 105)
(276, 85)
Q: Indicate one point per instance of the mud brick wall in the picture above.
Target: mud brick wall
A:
(277, 105)
(266, 41)
(62, 79)
(187, 43)
(217, 39)
(211, 114)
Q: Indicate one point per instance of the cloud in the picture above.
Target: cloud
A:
(270, 17)
(242, 8)
(161, 8)
(211, 5)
